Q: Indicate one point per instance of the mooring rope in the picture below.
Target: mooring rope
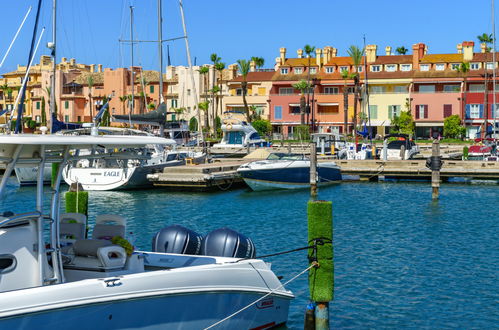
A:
(314, 264)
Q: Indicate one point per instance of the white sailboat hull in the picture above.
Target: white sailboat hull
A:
(27, 176)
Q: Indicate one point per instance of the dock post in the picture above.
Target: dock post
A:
(313, 170)
(435, 169)
(321, 277)
(76, 199)
(289, 147)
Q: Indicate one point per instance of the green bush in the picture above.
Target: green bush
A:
(193, 124)
(302, 133)
(263, 127)
(453, 127)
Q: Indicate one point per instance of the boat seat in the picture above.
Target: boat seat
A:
(72, 226)
(108, 226)
(95, 254)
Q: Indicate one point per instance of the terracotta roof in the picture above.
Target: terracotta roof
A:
(437, 74)
(483, 57)
(256, 76)
(148, 75)
(393, 59)
(292, 77)
(300, 62)
(83, 78)
(341, 60)
(442, 58)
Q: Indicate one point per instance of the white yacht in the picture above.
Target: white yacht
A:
(398, 147)
(96, 284)
(237, 133)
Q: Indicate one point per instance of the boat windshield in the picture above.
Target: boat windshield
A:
(234, 137)
(285, 156)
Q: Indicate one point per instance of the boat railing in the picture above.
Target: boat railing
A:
(16, 217)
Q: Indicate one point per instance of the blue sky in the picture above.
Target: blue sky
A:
(89, 30)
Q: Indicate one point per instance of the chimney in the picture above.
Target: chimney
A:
(277, 63)
(72, 62)
(459, 48)
(483, 47)
(327, 54)
(468, 50)
(300, 53)
(64, 59)
(418, 51)
(92, 67)
(388, 50)
(371, 53)
(425, 49)
(334, 52)
(318, 56)
(99, 68)
(252, 66)
(282, 52)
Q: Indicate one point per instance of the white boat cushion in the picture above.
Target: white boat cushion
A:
(94, 254)
(89, 247)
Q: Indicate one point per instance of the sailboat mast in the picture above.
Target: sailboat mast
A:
(494, 112)
(160, 51)
(54, 65)
(132, 80)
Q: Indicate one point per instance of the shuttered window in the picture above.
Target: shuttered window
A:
(373, 111)
(447, 110)
(277, 112)
(421, 111)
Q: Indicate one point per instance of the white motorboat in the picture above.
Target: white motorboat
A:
(26, 176)
(238, 133)
(97, 284)
(399, 148)
(286, 171)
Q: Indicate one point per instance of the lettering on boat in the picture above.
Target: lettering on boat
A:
(111, 173)
(265, 303)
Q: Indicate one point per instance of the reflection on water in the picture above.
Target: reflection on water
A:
(400, 259)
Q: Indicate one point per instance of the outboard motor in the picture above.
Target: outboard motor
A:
(177, 239)
(225, 242)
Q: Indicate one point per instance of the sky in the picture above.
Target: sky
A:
(90, 30)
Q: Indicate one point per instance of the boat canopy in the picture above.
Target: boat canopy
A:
(156, 117)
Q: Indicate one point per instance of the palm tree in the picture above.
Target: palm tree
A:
(356, 54)
(309, 50)
(204, 106)
(244, 67)
(345, 75)
(4, 88)
(463, 69)
(48, 91)
(214, 59)
(123, 100)
(401, 50)
(90, 82)
(203, 71)
(259, 61)
(220, 66)
(302, 86)
(486, 39)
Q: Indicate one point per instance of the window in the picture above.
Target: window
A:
(447, 110)
(298, 70)
(37, 105)
(286, 90)
(343, 68)
(79, 119)
(277, 112)
(313, 70)
(405, 67)
(377, 89)
(393, 110)
(474, 66)
(239, 91)
(329, 69)
(375, 68)
(476, 88)
(427, 88)
(37, 119)
(496, 114)
(261, 91)
(424, 67)
(373, 111)
(284, 70)
(294, 110)
(452, 88)
(400, 89)
(454, 66)
(490, 65)
(151, 89)
(66, 118)
(474, 110)
(360, 68)
(421, 111)
(188, 92)
(66, 104)
(350, 90)
(331, 90)
(390, 68)
(440, 67)
(174, 103)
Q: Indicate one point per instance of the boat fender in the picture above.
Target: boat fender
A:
(229, 126)
(177, 239)
(225, 242)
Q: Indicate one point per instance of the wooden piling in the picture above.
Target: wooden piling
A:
(435, 170)
(313, 170)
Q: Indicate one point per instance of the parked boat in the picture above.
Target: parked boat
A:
(286, 171)
(237, 133)
(186, 281)
(27, 176)
(400, 147)
(483, 149)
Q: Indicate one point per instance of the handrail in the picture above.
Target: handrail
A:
(20, 216)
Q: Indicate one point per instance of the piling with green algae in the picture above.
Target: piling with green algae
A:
(321, 277)
(76, 200)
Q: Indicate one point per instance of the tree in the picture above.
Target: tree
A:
(203, 71)
(309, 50)
(345, 75)
(43, 113)
(106, 118)
(244, 67)
(401, 50)
(356, 55)
(214, 59)
(463, 69)
(123, 100)
(453, 127)
(259, 61)
(486, 39)
(90, 82)
(220, 66)
(302, 86)
(193, 124)
(262, 126)
(403, 124)
(205, 106)
(150, 106)
(48, 90)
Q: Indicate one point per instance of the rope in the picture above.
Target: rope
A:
(315, 264)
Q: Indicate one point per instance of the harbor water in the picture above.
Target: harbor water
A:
(401, 261)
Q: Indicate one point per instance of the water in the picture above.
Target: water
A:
(401, 261)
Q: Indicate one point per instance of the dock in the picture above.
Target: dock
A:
(219, 175)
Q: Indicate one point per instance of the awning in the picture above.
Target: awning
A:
(379, 122)
(294, 104)
(327, 104)
(235, 105)
(429, 124)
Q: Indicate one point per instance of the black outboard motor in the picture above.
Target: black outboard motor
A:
(225, 242)
(177, 239)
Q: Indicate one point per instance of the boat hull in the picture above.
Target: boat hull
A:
(27, 176)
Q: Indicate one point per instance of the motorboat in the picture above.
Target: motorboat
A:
(286, 171)
(483, 149)
(26, 176)
(330, 144)
(186, 281)
(237, 133)
(398, 147)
